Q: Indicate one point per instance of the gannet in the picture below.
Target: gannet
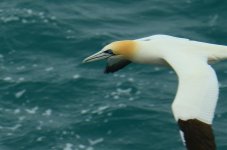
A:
(197, 93)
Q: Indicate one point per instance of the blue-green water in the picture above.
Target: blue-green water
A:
(50, 101)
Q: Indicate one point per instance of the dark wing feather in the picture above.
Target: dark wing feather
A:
(197, 135)
(116, 63)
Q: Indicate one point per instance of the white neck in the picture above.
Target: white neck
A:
(148, 53)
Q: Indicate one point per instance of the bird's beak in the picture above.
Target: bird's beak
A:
(97, 56)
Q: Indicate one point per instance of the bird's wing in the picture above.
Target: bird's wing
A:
(116, 63)
(145, 38)
(149, 38)
(213, 52)
(195, 101)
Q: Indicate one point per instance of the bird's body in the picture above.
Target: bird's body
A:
(197, 94)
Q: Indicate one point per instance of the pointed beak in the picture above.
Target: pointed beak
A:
(96, 57)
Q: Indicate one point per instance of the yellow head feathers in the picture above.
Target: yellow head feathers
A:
(125, 48)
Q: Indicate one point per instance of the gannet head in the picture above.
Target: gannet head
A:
(124, 49)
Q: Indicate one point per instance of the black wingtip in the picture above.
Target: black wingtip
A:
(197, 135)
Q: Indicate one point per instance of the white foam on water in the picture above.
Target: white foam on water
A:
(157, 69)
(29, 11)
(45, 21)
(76, 76)
(21, 68)
(41, 14)
(124, 91)
(96, 141)
(116, 97)
(122, 105)
(21, 118)
(38, 128)
(222, 85)
(89, 148)
(9, 134)
(171, 72)
(122, 76)
(32, 110)
(84, 111)
(19, 94)
(49, 69)
(7, 79)
(115, 75)
(39, 139)
(9, 19)
(68, 146)
(53, 18)
(121, 92)
(24, 21)
(77, 136)
(21, 79)
(81, 146)
(17, 126)
(48, 112)
(109, 114)
(17, 111)
(131, 80)
(100, 109)
(64, 132)
(131, 99)
(34, 65)
(88, 119)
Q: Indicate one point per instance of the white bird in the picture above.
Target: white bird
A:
(197, 93)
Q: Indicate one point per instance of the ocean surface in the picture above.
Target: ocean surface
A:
(49, 100)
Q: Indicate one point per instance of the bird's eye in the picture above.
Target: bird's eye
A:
(109, 51)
